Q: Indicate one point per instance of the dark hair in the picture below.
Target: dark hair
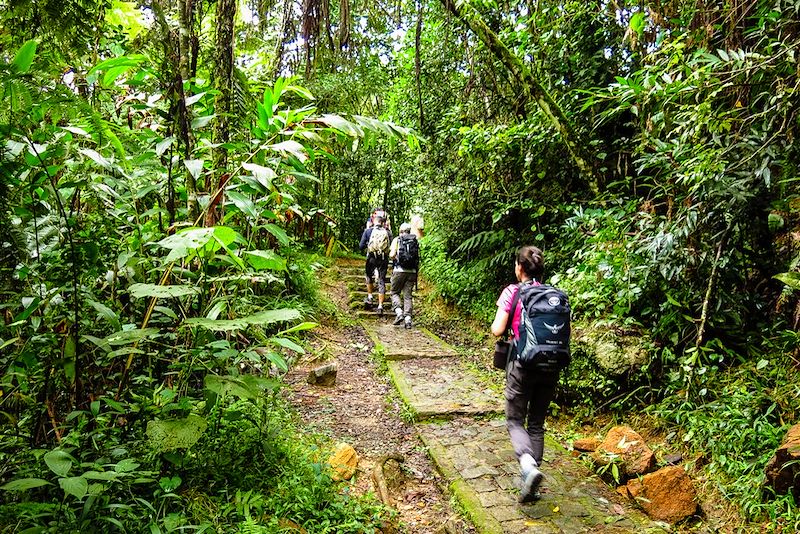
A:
(531, 260)
(380, 220)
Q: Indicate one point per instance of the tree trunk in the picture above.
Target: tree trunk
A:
(418, 64)
(223, 80)
(533, 90)
(185, 21)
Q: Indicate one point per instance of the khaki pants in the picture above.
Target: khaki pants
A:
(403, 284)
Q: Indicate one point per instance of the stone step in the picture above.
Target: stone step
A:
(444, 388)
(399, 343)
(361, 285)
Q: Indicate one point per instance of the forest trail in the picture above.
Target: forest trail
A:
(453, 419)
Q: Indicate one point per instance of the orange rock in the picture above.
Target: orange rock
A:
(343, 462)
(623, 490)
(666, 495)
(637, 458)
(784, 467)
(586, 444)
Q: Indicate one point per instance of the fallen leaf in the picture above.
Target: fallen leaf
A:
(556, 509)
(618, 509)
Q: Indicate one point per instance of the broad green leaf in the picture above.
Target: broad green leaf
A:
(124, 351)
(287, 344)
(113, 73)
(292, 148)
(100, 475)
(246, 387)
(175, 434)
(23, 484)
(167, 311)
(96, 157)
(194, 166)
(278, 232)
(230, 385)
(75, 486)
(278, 360)
(262, 318)
(76, 130)
(638, 22)
(263, 116)
(126, 466)
(300, 327)
(106, 313)
(130, 336)
(344, 126)
(265, 259)
(24, 58)
(59, 462)
(217, 325)
(243, 203)
(164, 144)
(791, 279)
(200, 122)
(273, 316)
(264, 175)
(158, 291)
(188, 239)
(226, 235)
(194, 98)
(302, 91)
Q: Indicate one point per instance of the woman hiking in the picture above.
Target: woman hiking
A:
(528, 391)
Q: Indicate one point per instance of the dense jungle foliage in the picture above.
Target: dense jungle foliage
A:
(174, 172)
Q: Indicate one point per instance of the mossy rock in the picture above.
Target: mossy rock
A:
(613, 351)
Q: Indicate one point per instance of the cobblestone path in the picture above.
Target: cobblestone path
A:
(459, 419)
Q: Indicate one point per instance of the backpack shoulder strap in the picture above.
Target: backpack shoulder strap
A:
(513, 310)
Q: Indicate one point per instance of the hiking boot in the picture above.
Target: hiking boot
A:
(408, 321)
(379, 309)
(399, 319)
(531, 479)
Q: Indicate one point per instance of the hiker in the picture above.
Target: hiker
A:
(404, 252)
(529, 389)
(375, 240)
(377, 212)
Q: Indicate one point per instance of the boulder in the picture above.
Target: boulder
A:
(586, 444)
(666, 495)
(343, 462)
(614, 352)
(783, 470)
(324, 375)
(636, 457)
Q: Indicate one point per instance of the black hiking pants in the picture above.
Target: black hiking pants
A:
(377, 265)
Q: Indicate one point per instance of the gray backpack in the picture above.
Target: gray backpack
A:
(378, 244)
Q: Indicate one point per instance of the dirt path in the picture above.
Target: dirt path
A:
(362, 409)
(431, 406)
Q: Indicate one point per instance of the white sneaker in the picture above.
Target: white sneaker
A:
(530, 485)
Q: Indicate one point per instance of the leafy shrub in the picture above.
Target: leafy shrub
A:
(749, 406)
